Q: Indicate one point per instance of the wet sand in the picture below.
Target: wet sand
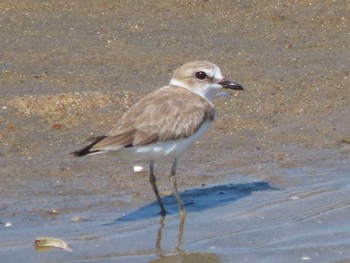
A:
(268, 183)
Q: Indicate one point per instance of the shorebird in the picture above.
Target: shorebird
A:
(166, 121)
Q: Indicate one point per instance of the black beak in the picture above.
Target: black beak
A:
(228, 84)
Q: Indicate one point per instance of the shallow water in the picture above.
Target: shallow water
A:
(268, 183)
(246, 221)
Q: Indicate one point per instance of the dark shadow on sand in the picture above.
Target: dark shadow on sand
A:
(196, 200)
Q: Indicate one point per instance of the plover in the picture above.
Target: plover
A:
(166, 121)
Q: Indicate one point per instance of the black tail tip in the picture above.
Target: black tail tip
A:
(77, 154)
(86, 149)
(83, 152)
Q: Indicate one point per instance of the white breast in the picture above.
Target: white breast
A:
(173, 148)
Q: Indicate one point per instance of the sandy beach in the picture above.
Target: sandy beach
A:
(268, 183)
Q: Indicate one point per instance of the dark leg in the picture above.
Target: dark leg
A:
(172, 179)
(152, 180)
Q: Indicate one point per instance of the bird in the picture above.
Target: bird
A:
(165, 122)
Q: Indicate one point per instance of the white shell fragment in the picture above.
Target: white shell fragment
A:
(46, 243)
(138, 168)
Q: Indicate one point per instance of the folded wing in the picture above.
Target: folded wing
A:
(169, 113)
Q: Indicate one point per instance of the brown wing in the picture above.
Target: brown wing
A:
(166, 114)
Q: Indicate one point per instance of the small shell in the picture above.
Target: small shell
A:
(138, 168)
(42, 243)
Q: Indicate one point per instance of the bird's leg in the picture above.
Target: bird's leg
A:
(172, 179)
(152, 180)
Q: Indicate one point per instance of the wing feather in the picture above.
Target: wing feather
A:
(166, 114)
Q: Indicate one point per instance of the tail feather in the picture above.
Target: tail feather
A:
(86, 150)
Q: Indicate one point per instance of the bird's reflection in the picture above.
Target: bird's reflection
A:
(159, 235)
(179, 255)
(189, 257)
(179, 241)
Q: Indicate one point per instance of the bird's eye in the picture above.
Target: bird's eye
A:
(201, 75)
